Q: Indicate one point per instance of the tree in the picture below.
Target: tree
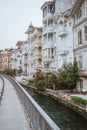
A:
(68, 75)
(10, 72)
(75, 71)
(40, 81)
(52, 80)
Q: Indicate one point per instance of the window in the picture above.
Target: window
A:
(79, 14)
(50, 23)
(86, 10)
(54, 51)
(80, 37)
(86, 6)
(49, 8)
(45, 52)
(65, 26)
(0, 59)
(70, 24)
(64, 60)
(54, 37)
(80, 62)
(44, 12)
(85, 31)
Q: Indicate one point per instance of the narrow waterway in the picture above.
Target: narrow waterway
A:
(64, 117)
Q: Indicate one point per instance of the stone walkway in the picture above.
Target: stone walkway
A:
(12, 115)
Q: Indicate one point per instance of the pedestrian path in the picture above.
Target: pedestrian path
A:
(12, 115)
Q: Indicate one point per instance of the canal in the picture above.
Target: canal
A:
(64, 117)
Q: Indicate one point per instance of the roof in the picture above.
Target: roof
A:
(47, 3)
(19, 43)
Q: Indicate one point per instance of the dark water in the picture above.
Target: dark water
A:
(63, 116)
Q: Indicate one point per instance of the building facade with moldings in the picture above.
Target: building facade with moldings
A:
(33, 50)
(79, 14)
(57, 43)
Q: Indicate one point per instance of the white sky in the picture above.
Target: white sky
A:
(15, 17)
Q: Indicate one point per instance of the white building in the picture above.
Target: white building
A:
(17, 57)
(79, 14)
(25, 58)
(33, 50)
(57, 42)
(14, 59)
(29, 45)
(65, 38)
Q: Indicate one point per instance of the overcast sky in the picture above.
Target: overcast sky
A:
(15, 17)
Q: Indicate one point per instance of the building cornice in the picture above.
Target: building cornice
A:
(80, 47)
(47, 3)
(80, 22)
(75, 7)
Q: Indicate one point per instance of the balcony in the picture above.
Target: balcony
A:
(62, 33)
(37, 44)
(48, 44)
(14, 59)
(25, 62)
(18, 56)
(47, 16)
(30, 60)
(63, 50)
(48, 29)
(37, 66)
(80, 46)
(83, 73)
(25, 53)
(48, 60)
(37, 56)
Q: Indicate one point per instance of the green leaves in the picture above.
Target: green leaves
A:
(40, 81)
(68, 75)
(79, 100)
(52, 80)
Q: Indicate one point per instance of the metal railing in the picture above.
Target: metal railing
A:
(1, 87)
(39, 119)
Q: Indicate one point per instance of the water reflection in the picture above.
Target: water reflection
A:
(63, 116)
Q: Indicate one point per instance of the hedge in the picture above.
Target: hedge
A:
(79, 100)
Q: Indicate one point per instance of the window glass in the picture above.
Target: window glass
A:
(80, 62)
(80, 37)
(85, 28)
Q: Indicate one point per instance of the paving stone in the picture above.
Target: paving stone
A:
(12, 115)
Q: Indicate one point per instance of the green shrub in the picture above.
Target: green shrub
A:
(40, 81)
(68, 75)
(41, 85)
(10, 72)
(52, 80)
(31, 82)
(79, 100)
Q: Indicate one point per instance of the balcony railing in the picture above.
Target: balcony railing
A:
(25, 61)
(48, 29)
(37, 56)
(63, 50)
(80, 46)
(83, 73)
(48, 59)
(37, 66)
(48, 43)
(62, 33)
(37, 44)
(48, 15)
